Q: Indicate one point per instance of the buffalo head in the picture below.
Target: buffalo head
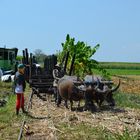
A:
(107, 94)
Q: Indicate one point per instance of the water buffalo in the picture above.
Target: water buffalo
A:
(97, 91)
(107, 94)
(103, 92)
(67, 90)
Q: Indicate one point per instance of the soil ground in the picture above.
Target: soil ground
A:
(48, 118)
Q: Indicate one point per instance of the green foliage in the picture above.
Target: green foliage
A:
(83, 61)
(19, 58)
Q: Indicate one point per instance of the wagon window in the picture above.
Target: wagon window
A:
(5, 55)
(1, 55)
(11, 56)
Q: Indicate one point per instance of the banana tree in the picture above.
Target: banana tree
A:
(83, 60)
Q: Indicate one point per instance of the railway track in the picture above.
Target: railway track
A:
(38, 118)
(24, 119)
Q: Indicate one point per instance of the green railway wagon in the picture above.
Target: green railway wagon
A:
(8, 58)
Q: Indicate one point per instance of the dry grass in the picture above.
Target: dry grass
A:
(61, 123)
(129, 84)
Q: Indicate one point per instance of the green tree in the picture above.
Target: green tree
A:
(39, 55)
(19, 58)
(83, 61)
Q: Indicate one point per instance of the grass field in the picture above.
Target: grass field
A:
(128, 100)
(119, 72)
(119, 68)
(123, 72)
(120, 65)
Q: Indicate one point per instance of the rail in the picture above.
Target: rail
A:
(23, 122)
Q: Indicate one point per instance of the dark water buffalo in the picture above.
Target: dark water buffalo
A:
(107, 94)
(104, 92)
(67, 90)
(96, 90)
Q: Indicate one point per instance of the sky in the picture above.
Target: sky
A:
(44, 24)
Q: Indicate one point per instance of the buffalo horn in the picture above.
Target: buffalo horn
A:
(101, 91)
(115, 88)
(81, 87)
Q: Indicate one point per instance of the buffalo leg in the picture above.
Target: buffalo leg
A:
(85, 106)
(58, 99)
(111, 101)
(100, 103)
(71, 104)
(101, 98)
(78, 104)
(66, 104)
(55, 93)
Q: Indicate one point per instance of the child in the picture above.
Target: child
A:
(20, 88)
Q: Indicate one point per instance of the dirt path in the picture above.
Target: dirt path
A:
(47, 117)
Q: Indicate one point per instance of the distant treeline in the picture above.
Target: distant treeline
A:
(120, 65)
